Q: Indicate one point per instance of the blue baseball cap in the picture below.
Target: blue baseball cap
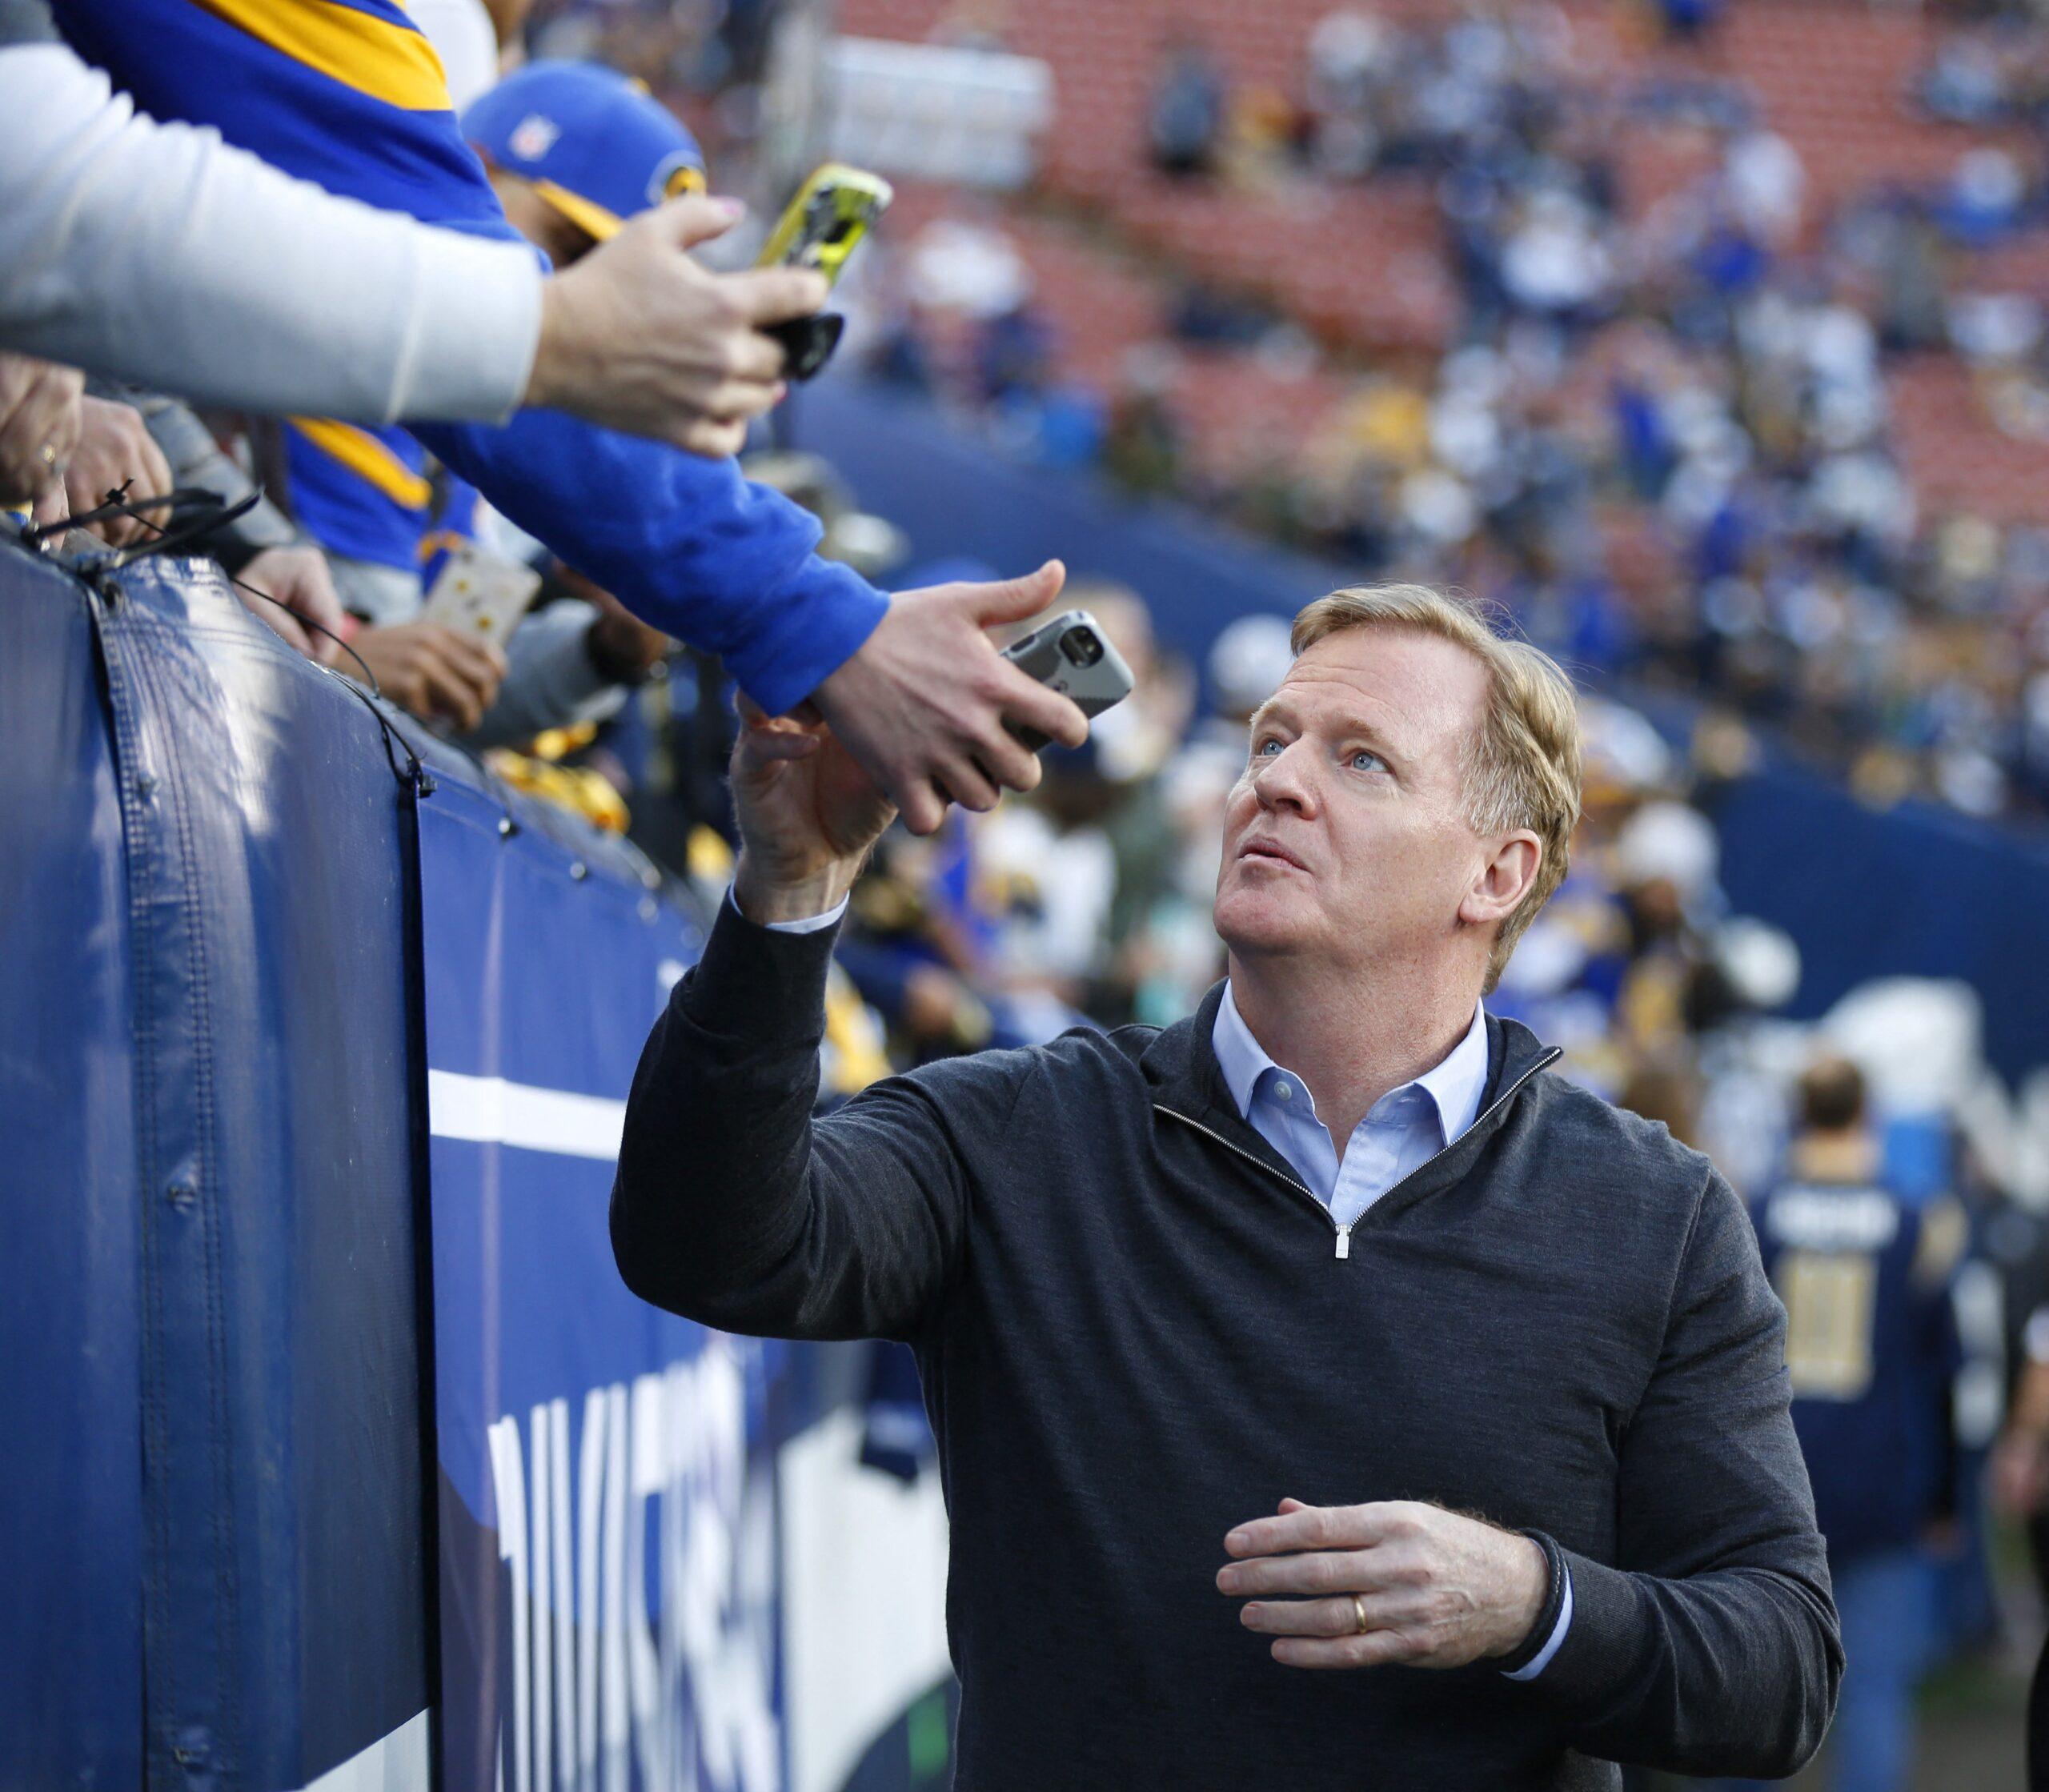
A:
(597, 145)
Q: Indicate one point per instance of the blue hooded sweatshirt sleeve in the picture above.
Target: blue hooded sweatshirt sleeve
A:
(684, 542)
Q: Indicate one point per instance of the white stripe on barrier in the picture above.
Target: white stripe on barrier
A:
(398, 1762)
(864, 1561)
(492, 1111)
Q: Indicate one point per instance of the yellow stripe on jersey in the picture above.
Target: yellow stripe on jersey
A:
(368, 458)
(372, 55)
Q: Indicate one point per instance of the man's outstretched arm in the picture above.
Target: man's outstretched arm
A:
(730, 1206)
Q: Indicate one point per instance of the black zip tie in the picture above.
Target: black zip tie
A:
(181, 535)
(508, 823)
(118, 504)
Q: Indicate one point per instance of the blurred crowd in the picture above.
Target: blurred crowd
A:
(1659, 432)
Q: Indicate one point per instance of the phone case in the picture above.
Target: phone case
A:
(808, 342)
(480, 594)
(1094, 686)
(825, 222)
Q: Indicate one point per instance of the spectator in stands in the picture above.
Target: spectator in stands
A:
(1186, 118)
(1685, 20)
(1871, 1348)
(1350, 61)
(2020, 1485)
(1105, 1252)
(913, 687)
(572, 151)
(151, 252)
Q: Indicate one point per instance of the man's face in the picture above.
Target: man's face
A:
(1345, 840)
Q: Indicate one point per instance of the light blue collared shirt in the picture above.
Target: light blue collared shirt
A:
(1402, 1131)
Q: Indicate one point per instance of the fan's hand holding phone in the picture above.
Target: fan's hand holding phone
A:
(821, 227)
(480, 594)
(1072, 655)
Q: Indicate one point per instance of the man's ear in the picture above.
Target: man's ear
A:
(1503, 881)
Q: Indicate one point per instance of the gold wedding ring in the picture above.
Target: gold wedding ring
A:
(1359, 1613)
(49, 457)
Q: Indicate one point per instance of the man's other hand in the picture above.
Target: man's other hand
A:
(639, 337)
(298, 579)
(115, 450)
(922, 704)
(807, 816)
(1435, 1590)
(439, 674)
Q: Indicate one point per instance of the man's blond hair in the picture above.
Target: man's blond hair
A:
(1522, 766)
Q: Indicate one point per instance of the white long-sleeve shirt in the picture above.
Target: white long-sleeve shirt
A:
(156, 254)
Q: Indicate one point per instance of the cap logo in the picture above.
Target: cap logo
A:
(675, 173)
(533, 136)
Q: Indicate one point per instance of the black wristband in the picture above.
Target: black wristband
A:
(1547, 1619)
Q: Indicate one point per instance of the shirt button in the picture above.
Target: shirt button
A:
(1283, 1090)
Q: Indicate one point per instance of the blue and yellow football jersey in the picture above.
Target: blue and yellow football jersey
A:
(1872, 1349)
(348, 94)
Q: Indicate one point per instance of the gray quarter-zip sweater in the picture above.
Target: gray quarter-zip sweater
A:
(1123, 1304)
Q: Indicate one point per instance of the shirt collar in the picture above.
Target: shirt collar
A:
(1455, 1085)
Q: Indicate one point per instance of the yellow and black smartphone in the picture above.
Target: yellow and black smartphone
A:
(819, 229)
(823, 223)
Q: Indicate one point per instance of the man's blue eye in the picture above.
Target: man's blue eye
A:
(1267, 747)
(1362, 758)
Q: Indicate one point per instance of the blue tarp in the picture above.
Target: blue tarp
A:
(225, 1067)
(71, 1325)
(1911, 892)
(217, 1513)
(607, 1590)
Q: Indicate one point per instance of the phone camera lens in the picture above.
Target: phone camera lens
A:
(1080, 647)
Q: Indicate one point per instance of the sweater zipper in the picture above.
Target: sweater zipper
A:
(1344, 1233)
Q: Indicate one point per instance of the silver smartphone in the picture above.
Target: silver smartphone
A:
(1072, 655)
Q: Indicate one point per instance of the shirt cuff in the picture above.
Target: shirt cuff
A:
(811, 924)
(1542, 1659)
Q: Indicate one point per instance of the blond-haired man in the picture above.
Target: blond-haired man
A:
(1331, 1300)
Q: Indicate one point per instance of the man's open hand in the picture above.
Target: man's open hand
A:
(1436, 1589)
(922, 704)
